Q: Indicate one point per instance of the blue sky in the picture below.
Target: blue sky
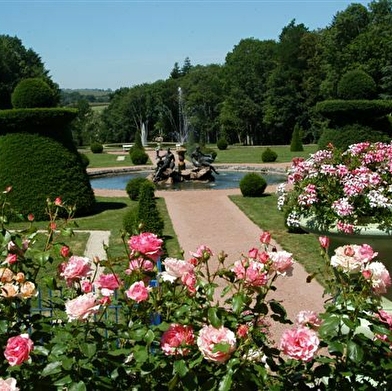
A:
(112, 44)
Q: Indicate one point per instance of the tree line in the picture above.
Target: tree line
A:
(264, 89)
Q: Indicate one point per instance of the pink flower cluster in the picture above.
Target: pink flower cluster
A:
(146, 244)
(177, 339)
(18, 349)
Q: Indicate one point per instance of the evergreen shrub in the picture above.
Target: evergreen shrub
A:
(350, 134)
(96, 147)
(43, 168)
(32, 92)
(296, 142)
(133, 187)
(84, 159)
(252, 185)
(222, 144)
(130, 220)
(356, 84)
(269, 156)
(148, 213)
(138, 156)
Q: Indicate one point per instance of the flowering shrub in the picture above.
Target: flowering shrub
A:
(341, 190)
(142, 323)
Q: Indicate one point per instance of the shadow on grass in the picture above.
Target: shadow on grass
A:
(102, 206)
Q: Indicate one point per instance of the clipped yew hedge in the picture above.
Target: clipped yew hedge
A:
(38, 168)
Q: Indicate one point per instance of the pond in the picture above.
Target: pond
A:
(225, 180)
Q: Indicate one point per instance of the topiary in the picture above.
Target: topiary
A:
(296, 142)
(84, 159)
(96, 147)
(133, 187)
(356, 84)
(33, 92)
(130, 220)
(341, 138)
(148, 213)
(252, 185)
(138, 156)
(269, 155)
(222, 144)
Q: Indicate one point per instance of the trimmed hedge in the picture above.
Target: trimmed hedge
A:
(40, 167)
(252, 185)
(130, 220)
(356, 84)
(133, 187)
(96, 147)
(222, 144)
(268, 156)
(33, 92)
(296, 142)
(138, 156)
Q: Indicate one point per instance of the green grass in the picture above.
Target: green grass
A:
(249, 154)
(101, 160)
(304, 247)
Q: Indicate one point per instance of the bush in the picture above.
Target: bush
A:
(269, 155)
(296, 142)
(96, 147)
(350, 134)
(252, 185)
(133, 187)
(33, 92)
(356, 84)
(36, 176)
(222, 144)
(138, 156)
(85, 160)
(130, 220)
(148, 213)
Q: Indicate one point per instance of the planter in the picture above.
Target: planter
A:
(381, 241)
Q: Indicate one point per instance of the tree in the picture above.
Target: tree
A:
(176, 72)
(17, 63)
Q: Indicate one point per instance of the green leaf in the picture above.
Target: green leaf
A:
(3, 326)
(180, 367)
(52, 368)
(67, 363)
(213, 317)
(140, 354)
(329, 326)
(238, 302)
(88, 349)
(80, 386)
(149, 337)
(354, 351)
(50, 282)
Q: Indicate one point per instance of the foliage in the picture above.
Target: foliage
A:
(268, 155)
(222, 144)
(343, 137)
(356, 84)
(96, 147)
(296, 141)
(148, 213)
(133, 187)
(196, 325)
(138, 156)
(84, 159)
(35, 174)
(32, 92)
(138, 142)
(130, 219)
(341, 189)
(18, 63)
(252, 185)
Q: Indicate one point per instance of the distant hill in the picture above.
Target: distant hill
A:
(92, 95)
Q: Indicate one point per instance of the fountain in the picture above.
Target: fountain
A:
(143, 134)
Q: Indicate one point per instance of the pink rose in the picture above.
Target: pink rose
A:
(138, 292)
(147, 244)
(86, 286)
(8, 384)
(210, 337)
(379, 277)
(64, 251)
(308, 318)
(11, 258)
(177, 339)
(265, 237)
(176, 268)
(324, 241)
(18, 349)
(299, 343)
(189, 280)
(385, 317)
(82, 307)
(108, 283)
(253, 253)
(282, 262)
(242, 330)
(140, 264)
(252, 272)
(75, 269)
(203, 252)
(58, 201)
(350, 258)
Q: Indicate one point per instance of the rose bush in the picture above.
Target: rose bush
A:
(146, 323)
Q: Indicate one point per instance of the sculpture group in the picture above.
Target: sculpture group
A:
(167, 172)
